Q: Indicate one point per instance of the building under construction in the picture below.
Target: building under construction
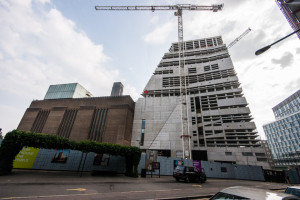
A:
(219, 124)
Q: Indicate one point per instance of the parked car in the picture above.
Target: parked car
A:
(239, 192)
(189, 174)
(294, 190)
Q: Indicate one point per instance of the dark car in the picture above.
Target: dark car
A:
(189, 174)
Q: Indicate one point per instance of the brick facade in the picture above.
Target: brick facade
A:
(102, 119)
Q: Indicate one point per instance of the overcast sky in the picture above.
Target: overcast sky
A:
(44, 42)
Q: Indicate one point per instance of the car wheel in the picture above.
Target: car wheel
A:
(197, 179)
(187, 179)
(177, 179)
(202, 180)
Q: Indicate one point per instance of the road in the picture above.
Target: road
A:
(66, 185)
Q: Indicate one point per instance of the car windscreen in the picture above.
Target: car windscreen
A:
(221, 195)
(189, 169)
(179, 168)
(293, 191)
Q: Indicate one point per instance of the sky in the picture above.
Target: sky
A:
(46, 42)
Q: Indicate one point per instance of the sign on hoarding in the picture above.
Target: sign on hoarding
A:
(178, 163)
(197, 165)
(26, 157)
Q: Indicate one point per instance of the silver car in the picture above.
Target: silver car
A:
(294, 190)
(239, 192)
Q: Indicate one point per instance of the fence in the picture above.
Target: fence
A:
(212, 169)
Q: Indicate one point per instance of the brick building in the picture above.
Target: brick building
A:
(102, 119)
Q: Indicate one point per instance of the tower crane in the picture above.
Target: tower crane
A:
(238, 38)
(185, 132)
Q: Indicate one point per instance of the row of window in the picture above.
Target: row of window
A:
(220, 87)
(210, 42)
(193, 61)
(211, 67)
(163, 72)
(210, 102)
(288, 109)
(282, 124)
(193, 53)
(175, 80)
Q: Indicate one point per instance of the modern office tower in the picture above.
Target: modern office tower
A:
(117, 89)
(220, 126)
(65, 91)
(284, 133)
(291, 11)
(102, 119)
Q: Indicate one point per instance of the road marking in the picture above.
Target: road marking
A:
(66, 195)
(197, 185)
(78, 189)
(58, 195)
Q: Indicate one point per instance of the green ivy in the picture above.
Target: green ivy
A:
(15, 140)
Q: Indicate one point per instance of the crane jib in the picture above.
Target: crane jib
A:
(165, 7)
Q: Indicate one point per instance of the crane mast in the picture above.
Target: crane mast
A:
(185, 130)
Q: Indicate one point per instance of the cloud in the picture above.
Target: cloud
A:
(285, 61)
(298, 51)
(40, 47)
(161, 33)
(293, 86)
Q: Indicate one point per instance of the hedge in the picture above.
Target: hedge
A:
(15, 140)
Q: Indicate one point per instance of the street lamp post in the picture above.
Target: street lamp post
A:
(262, 50)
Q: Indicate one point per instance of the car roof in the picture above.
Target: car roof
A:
(296, 187)
(256, 193)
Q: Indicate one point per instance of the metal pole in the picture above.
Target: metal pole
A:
(262, 50)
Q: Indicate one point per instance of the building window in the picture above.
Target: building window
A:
(206, 68)
(228, 153)
(195, 143)
(260, 154)
(223, 169)
(261, 159)
(247, 153)
(143, 132)
(192, 70)
(214, 67)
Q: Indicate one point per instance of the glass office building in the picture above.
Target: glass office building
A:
(284, 134)
(66, 91)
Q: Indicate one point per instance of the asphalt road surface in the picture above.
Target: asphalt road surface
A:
(67, 185)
